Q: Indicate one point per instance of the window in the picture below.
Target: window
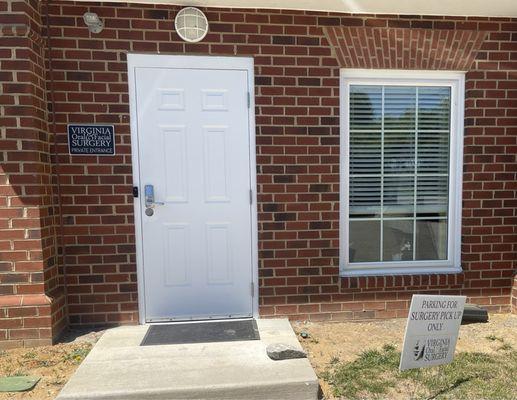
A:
(401, 166)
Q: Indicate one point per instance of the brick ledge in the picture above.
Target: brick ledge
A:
(25, 300)
(21, 30)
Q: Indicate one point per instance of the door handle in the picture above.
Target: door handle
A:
(149, 197)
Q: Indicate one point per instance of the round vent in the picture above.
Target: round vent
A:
(191, 24)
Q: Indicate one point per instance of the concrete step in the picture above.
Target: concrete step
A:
(118, 368)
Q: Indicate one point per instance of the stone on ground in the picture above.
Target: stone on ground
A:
(282, 351)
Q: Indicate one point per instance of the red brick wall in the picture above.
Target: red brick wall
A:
(297, 110)
(31, 306)
(514, 295)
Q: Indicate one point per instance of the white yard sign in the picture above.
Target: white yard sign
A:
(431, 331)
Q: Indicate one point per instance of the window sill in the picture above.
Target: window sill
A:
(356, 272)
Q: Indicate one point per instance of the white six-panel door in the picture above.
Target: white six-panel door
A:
(194, 149)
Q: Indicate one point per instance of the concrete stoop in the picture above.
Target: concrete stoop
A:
(118, 368)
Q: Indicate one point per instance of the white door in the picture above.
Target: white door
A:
(194, 151)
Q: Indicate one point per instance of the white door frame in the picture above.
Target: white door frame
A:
(190, 62)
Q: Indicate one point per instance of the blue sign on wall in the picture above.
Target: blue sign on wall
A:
(91, 139)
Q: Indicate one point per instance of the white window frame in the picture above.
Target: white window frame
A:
(454, 80)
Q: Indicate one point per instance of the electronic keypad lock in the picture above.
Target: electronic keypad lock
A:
(149, 197)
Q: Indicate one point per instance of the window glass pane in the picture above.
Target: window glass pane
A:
(365, 238)
(399, 152)
(365, 196)
(399, 196)
(365, 107)
(431, 239)
(398, 240)
(434, 104)
(365, 152)
(433, 152)
(432, 196)
(399, 107)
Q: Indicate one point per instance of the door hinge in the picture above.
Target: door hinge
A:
(251, 196)
(249, 99)
(252, 289)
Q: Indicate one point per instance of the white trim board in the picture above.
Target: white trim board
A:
(134, 61)
(478, 8)
(456, 81)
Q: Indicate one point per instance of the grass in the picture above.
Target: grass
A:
(375, 375)
(493, 338)
(29, 355)
(78, 355)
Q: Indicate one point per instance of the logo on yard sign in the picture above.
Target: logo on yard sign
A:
(419, 350)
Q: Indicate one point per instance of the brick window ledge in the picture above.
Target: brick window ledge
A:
(400, 281)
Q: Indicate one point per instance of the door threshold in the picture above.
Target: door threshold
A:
(196, 321)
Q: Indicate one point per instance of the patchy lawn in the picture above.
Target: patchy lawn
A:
(54, 364)
(359, 360)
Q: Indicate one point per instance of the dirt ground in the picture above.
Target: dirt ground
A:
(346, 340)
(54, 364)
(326, 342)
